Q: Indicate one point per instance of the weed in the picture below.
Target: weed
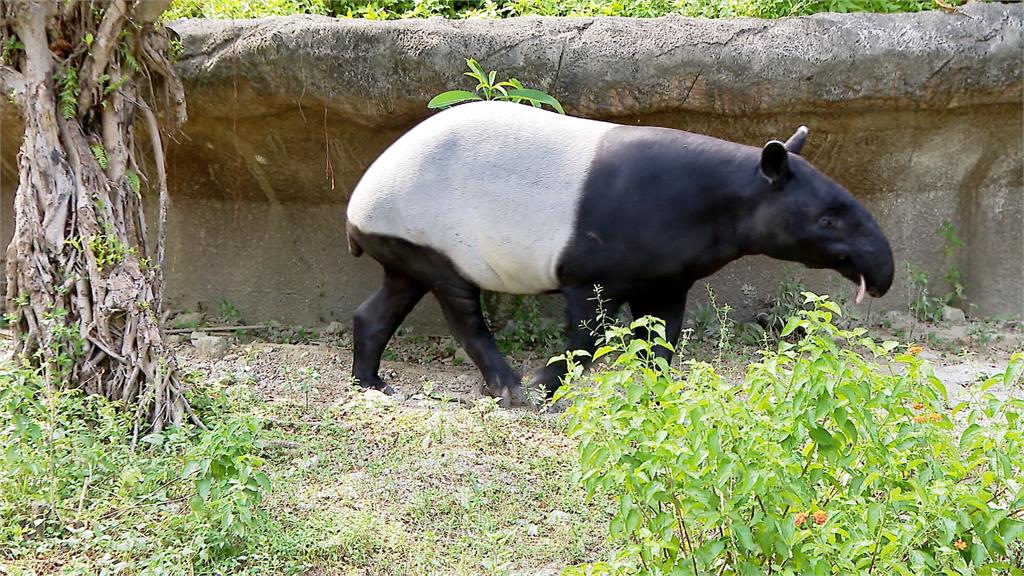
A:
(922, 301)
(305, 382)
(951, 244)
(68, 93)
(393, 9)
(522, 321)
(108, 250)
(71, 487)
(229, 313)
(487, 88)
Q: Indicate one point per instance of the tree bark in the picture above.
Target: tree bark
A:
(83, 281)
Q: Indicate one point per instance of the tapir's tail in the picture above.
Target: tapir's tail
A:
(353, 247)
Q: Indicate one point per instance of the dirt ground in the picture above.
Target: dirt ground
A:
(422, 367)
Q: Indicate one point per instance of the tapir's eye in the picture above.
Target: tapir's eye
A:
(827, 223)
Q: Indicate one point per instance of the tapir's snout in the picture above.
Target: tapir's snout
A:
(870, 266)
(875, 267)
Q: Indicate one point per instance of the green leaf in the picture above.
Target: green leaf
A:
(203, 487)
(451, 98)
(978, 553)
(743, 534)
(791, 325)
(821, 437)
(537, 96)
(633, 520)
(191, 467)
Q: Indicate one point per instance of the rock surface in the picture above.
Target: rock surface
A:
(211, 347)
(918, 115)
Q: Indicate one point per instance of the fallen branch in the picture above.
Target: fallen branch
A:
(218, 329)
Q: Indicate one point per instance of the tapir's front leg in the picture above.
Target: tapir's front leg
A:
(581, 309)
(666, 305)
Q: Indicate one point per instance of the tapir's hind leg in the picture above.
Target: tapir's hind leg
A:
(460, 302)
(375, 322)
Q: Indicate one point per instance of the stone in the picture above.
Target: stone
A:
(532, 531)
(953, 315)
(461, 357)
(187, 320)
(335, 328)
(897, 320)
(558, 517)
(211, 347)
(195, 336)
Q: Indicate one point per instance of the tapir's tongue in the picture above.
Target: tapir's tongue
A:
(860, 291)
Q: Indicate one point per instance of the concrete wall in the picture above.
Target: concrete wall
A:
(921, 116)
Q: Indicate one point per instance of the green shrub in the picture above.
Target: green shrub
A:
(70, 481)
(833, 455)
(392, 9)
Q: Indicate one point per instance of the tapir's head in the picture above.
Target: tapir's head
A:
(804, 216)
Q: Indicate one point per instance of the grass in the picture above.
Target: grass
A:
(392, 9)
(408, 490)
(361, 484)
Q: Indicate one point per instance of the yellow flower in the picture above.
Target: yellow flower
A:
(915, 350)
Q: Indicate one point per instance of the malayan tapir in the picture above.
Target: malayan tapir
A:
(510, 198)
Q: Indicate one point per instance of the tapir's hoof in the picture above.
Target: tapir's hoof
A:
(376, 384)
(508, 396)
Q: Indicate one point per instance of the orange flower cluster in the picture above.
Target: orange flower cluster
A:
(915, 350)
(960, 545)
(922, 418)
(819, 518)
(918, 405)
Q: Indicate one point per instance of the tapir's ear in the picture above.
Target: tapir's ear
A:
(796, 142)
(775, 162)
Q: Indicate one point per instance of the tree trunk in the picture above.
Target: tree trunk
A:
(83, 278)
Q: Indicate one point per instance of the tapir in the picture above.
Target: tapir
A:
(510, 198)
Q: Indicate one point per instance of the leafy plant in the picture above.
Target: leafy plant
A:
(70, 480)
(820, 461)
(393, 9)
(487, 88)
(951, 243)
(11, 47)
(229, 313)
(68, 93)
(920, 301)
(304, 381)
(107, 249)
(228, 486)
(523, 325)
(100, 154)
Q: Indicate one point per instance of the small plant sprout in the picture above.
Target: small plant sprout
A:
(487, 88)
(305, 382)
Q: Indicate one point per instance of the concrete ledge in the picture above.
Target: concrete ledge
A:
(380, 73)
